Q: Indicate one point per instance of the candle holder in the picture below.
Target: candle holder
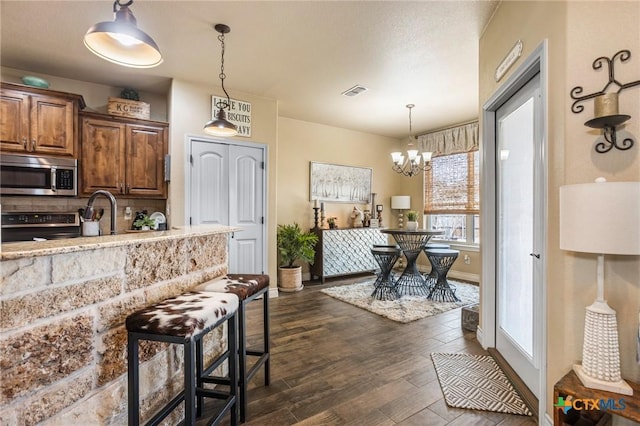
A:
(606, 105)
(315, 218)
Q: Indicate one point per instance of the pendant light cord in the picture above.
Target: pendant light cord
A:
(410, 106)
(222, 76)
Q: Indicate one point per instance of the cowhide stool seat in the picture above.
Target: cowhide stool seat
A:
(185, 320)
(247, 287)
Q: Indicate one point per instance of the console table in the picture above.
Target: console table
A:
(570, 385)
(345, 251)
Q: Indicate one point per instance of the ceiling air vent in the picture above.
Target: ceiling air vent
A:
(355, 90)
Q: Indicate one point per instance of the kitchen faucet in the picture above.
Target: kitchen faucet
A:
(88, 213)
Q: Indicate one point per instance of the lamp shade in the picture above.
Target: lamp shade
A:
(401, 202)
(601, 217)
(220, 126)
(120, 41)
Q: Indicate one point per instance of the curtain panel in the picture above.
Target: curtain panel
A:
(452, 183)
(455, 140)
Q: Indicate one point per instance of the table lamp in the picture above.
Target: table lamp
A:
(601, 218)
(400, 202)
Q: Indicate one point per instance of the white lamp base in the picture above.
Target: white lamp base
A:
(620, 386)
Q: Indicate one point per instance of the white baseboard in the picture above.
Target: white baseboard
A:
(464, 276)
(273, 292)
(480, 337)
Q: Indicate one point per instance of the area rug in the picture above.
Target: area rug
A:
(476, 382)
(405, 309)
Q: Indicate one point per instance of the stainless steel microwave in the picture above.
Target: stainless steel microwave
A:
(36, 175)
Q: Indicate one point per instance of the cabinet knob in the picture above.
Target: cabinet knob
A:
(128, 188)
(121, 188)
(33, 144)
(24, 143)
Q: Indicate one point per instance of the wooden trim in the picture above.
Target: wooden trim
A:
(529, 398)
(570, 385)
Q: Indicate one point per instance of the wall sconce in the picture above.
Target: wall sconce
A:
(606, 105)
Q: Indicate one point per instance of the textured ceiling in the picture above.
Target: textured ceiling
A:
(304, 54)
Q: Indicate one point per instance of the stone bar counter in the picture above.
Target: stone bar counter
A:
(62, 309)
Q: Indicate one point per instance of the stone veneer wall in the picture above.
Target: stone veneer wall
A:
(63, 343)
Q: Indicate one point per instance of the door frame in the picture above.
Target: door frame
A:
(187, 181)
(536, 62)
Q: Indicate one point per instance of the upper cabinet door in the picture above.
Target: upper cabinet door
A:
(102, 156)
(14, 120)
(146, 147)
(53, 125)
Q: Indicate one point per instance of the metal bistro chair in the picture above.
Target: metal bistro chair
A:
(442, 259)
(432, 276)
(384, 285)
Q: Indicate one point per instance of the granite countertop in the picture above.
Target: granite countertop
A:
(16, 250)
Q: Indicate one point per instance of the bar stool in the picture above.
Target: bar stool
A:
(442, 259)
(384, 285)
(433, 275)
(185, 320)
(247, 287)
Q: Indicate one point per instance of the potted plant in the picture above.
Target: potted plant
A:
(412, 220)
(294, 245)
(144, 223)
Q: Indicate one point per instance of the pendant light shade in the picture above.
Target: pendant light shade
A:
(121, 41)
(220, 126)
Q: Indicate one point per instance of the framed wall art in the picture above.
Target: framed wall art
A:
(339, 184)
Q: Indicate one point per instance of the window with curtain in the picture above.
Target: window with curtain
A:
(451, 186)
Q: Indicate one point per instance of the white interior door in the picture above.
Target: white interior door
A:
(227, 187)
(246, 198)
(519, 232)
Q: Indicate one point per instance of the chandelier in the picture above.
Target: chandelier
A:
(220, 126)
(411, 166)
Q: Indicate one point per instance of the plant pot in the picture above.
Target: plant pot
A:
(290, 279)
(412, 226)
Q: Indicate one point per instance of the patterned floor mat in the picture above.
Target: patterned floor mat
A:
(476, 382)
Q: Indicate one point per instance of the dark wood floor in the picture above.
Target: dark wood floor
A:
(336, 364)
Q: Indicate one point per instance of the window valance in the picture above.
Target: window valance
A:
(455, 140)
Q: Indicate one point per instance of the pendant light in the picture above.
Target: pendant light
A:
(220, 126)
(121, 41)
(411, 166)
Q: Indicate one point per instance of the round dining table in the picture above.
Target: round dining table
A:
(412, 282)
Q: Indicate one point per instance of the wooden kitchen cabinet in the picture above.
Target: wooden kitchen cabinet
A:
(38, 121)
(123, 156)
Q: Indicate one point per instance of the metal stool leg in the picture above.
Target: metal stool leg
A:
(133, 376)
(384, 285)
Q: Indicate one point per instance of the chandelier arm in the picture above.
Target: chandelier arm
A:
(411, 166)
